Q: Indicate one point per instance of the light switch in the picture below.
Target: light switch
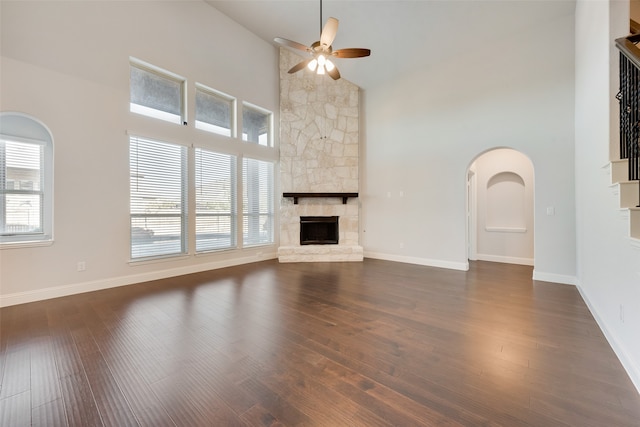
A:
(551, 210)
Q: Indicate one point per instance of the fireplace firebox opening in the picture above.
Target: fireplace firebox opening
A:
(319, 230)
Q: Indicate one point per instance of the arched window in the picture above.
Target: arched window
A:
(26, 180)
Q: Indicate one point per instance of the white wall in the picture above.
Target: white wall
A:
(67, 64)
(424, 130)
(608, 263)
(504, 210)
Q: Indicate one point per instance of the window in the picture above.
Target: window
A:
(170, 182)
(158, 198)
(26, 180)
(257, 220)
(216, 218)
(156, 93)
(256, 125)
(214, 111)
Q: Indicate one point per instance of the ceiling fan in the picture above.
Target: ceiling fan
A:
(321, 50)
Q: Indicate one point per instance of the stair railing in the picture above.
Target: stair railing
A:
(629, 98)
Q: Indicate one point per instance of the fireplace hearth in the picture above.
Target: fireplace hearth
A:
(319, 230)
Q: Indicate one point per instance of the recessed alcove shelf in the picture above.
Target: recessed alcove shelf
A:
(343, 196)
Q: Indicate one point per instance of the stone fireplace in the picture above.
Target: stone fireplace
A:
(319, 159)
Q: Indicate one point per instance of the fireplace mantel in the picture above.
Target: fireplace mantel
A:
(343, 196)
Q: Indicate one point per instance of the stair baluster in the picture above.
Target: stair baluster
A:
(629, 99)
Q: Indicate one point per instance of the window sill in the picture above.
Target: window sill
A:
(257, 245)
(506, 229)
(159, 259)
(25, 244)
(215, 251)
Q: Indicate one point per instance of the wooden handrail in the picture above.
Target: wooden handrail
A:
(627, 45)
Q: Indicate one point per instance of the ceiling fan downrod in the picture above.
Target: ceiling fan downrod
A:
(320, 17)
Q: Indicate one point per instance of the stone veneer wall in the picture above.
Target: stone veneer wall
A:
(319, 136)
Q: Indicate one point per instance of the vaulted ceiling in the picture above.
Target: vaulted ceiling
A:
(402, 34)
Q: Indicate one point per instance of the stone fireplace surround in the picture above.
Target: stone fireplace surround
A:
(319, 153)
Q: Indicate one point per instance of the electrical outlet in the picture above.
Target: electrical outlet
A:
(401, 245)
(621, 313)
(82, 266)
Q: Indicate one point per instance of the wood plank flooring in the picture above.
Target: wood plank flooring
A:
(327, 344)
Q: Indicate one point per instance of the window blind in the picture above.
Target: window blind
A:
(158, 198)
(257, 217)
(21, 187)
(216, 214)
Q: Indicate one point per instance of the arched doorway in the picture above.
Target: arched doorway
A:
(500, 202)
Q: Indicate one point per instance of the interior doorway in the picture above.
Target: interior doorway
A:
(500, 205)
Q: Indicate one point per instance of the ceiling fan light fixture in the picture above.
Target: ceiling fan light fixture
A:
(329, 65)
(320, 50)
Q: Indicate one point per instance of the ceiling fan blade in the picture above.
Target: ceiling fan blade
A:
(353, 52)
(329, 32)
(291, 43)
(299, 66)
(334, 73)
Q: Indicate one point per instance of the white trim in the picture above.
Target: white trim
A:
(451, 265)
(505, 259)
(628, 363)
(506, 229)
(554, 278)
(96, 285)
(25, 244)
(157, 259)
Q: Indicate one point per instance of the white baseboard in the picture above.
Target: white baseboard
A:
(113, 282)
(554, 278)
(464, 266)
(505, 259)
(629, 364)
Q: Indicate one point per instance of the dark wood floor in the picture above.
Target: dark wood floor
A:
(331, 344)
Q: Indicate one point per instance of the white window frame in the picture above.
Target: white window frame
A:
(269, 114)
(233, 202)
(184, 208)
(223, 96)
(24, 128)
(158, 114)
(251, 215)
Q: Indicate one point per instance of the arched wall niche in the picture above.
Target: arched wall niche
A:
(506, 202)
(500, 203)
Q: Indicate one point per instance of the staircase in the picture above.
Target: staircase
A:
(627, 192)
(625, 172)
